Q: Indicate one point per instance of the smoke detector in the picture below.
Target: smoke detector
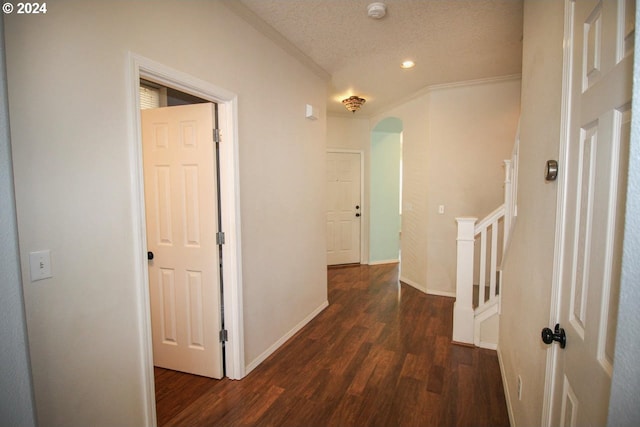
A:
(376, 10)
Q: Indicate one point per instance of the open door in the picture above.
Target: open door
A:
(181, 204)
(598, 90)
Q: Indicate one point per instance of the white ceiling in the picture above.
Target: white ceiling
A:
(450, 41)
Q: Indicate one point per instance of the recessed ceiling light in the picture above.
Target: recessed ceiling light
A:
(407, 64)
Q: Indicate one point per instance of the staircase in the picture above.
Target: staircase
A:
(481, 249)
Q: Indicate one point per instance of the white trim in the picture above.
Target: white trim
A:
(487, 345)
(268, 352)
(412, 284)
(384, 261)
(505, 386)
(139, 238)
(229, 193)
(449, 294)
(489, 310)
(555, 308)
(476, 82)
(427, 291)
(363, 259)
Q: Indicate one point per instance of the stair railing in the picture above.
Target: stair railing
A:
(480, 250)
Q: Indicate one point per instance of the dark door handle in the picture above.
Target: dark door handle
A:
(357, 214)
(149, 255)
(549, 336)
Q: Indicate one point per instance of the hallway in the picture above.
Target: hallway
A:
(379, 355)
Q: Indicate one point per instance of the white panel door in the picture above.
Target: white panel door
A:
(597, 156)
(182, 221)
(344, 208)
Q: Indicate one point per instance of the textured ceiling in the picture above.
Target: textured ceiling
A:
(450, 41)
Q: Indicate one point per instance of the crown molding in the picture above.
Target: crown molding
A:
(444, 86)
(476, 82)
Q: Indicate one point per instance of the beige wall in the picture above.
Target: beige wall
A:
(415, 133)
(529, 265)
(348, 133)
(472, 130)
(455, 138)
(72, 142)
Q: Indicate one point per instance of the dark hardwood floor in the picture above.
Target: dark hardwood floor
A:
(379, 355)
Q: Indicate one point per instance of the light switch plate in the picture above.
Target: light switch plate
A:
(40, 265)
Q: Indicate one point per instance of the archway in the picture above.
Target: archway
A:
(385, 191)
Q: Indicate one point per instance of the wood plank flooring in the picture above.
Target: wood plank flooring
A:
(379, 355)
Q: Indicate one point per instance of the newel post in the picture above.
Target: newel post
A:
(463, 314)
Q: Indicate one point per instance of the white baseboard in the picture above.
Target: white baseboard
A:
(268, 352)
(441, 293)
(385, 261)
(412, 284)
(427, 291)
(505, 386)
(488, 345)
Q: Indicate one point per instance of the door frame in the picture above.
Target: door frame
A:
(364, 257)
(141, 67)
(558, 251)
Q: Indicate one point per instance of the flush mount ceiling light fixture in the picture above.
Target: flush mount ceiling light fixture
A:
(376, 10)
(407, 64)
(353, 103)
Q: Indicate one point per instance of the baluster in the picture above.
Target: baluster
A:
(482, 277)
(494, 260)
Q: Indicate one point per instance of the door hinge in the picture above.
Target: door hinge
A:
(216, 135)
(224, 335)
(220, 238)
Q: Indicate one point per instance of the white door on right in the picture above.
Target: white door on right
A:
(599, 95)
(344, 208)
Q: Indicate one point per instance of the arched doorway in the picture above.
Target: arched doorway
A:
(385, 191)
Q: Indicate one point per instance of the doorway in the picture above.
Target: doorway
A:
(386, 192)
(143, 68)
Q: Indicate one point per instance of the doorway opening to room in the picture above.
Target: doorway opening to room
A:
(385, 204)
(181, 177)
(188, 222)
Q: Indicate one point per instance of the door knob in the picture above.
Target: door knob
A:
(149, 255)
(357, 214)
(549, 336)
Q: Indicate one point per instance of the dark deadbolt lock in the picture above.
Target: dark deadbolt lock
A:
(551, 170)
(357, 206)
(549, 336)
(149, 255)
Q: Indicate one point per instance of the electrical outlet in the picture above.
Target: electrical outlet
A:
(519, 387)
(40, 265)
